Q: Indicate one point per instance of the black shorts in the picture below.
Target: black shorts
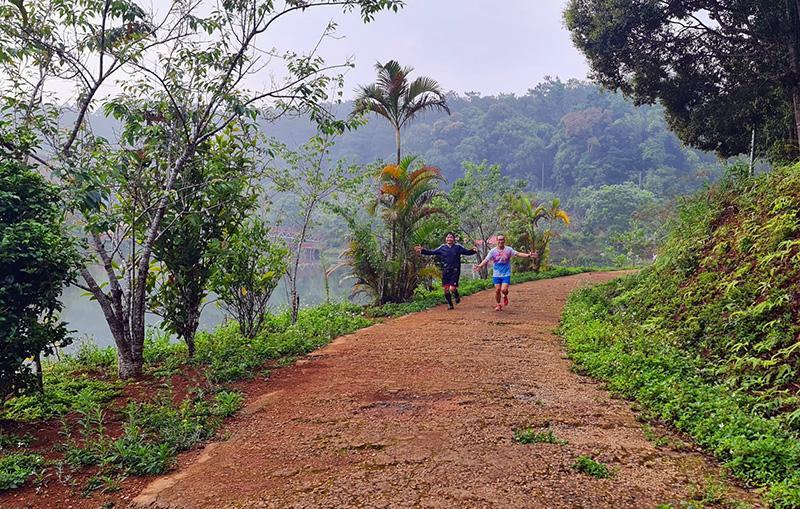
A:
(450, 277)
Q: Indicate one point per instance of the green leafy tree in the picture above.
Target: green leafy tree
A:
(248, 270)
(314, 181)
(213, 195)
(396, 99)
(184, 67)
(474, 202)
(611, 209)
(37, 259)
(720, 69)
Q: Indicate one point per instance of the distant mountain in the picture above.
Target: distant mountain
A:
(559, 137)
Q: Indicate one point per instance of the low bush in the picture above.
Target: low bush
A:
(16, 468)
(531, 436)
(587, 465)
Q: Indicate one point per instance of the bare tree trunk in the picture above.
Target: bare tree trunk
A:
(37, 360)
(397, 141)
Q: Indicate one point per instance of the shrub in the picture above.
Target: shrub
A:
(531, 436)
(248, 269)
(587, 465)
(37, 259)
(16, 468)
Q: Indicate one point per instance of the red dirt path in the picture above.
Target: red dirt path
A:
(420, 412)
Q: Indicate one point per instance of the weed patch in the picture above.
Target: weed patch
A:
(587, 465)
(532, 436)
(15, 469)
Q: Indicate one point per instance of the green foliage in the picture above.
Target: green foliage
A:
(249, 267)
(383, 262)
(214, 193)
(559, 137)
(587, 465)
(37, 259)
(9, 442)
(523, 215)
(227, 403)
(717, 80)
(706, 338)
(532, 436)
(312, 181)
(474, 201)
(65, 390)
(396, 99)
(15, 469)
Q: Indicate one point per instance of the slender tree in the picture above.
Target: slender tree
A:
(313, 180)
(191, 58)
(474, 200)
(396, 99)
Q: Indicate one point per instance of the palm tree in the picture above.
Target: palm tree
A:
(553, 214)
(397, 100)
(380, 255)
(524, 214)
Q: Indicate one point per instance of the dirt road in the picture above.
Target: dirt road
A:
(420, 412)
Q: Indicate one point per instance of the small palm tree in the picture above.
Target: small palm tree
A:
(397, 100)
(524, 214)
(380, 254)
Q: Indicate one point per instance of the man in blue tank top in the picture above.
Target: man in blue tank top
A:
(448, 255)
(501, 256)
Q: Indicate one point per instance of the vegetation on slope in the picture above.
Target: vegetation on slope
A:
(707, 337)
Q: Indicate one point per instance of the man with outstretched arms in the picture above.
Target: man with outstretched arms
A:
(501, 256)
(449, 257)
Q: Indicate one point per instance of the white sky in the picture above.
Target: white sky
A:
(487, 46)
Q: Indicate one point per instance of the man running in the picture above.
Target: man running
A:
(449, 257)
(500, 257)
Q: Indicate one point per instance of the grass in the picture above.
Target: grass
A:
(530, 435)
(16, 468)
(706, 338)
(587, 465)
(79, 388)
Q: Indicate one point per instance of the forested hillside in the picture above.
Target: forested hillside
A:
(707, 337)
(560, 137)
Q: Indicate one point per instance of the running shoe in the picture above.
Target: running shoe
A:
(498, 307)
(505, 300)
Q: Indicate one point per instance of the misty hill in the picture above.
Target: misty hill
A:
(560, 137)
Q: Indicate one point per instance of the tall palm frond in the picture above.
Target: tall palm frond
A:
(397, 100)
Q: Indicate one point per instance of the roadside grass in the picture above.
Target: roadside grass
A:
(588, 465)
(529, 435)
(706, 339)
(114, 431)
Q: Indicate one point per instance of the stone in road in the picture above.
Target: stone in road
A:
(420, 412)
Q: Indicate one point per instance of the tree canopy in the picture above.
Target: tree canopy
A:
(720, 69)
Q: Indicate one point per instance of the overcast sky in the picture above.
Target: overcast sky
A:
(487, 46)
